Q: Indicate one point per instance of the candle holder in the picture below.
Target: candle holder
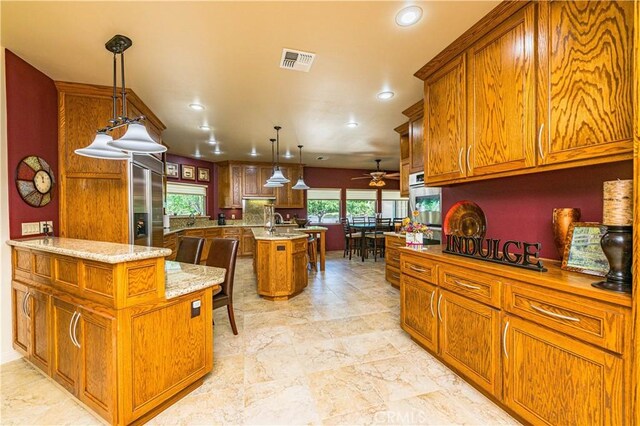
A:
(617, 245)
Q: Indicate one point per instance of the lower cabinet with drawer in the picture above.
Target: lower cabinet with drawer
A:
(547, 347)
(392, 259)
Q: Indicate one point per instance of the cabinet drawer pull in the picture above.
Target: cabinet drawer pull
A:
(417, 269)
(24, 304)
(395, 276)
(469, 286)
(540, 142)
(504, 340)
(468, 157)
(439, 312)
(75, 329)
(73, 318)
(553, 314)
(460, 160)
(433, 314)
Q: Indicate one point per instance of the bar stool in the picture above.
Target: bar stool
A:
(312, 252)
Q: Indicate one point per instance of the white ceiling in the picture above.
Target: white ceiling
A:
(225, 55)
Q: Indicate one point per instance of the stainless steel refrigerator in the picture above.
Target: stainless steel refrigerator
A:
(145, 202)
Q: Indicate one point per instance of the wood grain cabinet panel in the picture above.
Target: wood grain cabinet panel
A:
(250, 176)
(31, 322)
(470, 340)
(416, 136)
(265, 173)
(445, 122)
(419, 268)
(65, 366)
(501, 98)
(556, 380)
(405, 168)
(417, 311)
(585, 80)
(21, 326)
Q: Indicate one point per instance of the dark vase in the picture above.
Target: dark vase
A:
(617, 245)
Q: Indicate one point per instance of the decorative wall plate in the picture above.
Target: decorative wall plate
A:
(35, 180)
(466, 219)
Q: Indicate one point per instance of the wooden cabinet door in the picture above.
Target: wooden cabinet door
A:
(236, 186)
(64, 363)
(21, 323)
(265, 173)
(283, 192)
(251, 185)
(445, 123)
(501, 101)
(296, 196)
(417, 311)
(470, 340)
(248, 243)
(39, 312)
(585, 80)
(97, 340)
(416, 136)
(404, 178)
(299, 270)
(550, 378)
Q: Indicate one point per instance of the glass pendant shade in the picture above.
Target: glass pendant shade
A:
(300, 184)
(273, 185)
(137, 140)
(100, 148)
(278, 177)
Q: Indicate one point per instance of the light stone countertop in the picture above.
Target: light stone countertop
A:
(262, 234)
(99, 251)
(182, 278)
(231, 225)
(394, 234)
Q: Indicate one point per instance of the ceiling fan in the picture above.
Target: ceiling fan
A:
(378, 177)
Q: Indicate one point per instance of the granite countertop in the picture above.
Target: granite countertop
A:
(395, 234)
(262, 234)
(231, 225)
(99, 251)
(312, 228)
(182, 278)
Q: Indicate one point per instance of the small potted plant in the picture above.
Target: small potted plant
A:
(415, 231)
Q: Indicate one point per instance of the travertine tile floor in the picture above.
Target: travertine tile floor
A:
(333, 355)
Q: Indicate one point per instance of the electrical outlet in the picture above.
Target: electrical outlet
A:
(30, 228)
(42, 226)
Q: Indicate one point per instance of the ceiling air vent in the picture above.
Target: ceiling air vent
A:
(296, 60)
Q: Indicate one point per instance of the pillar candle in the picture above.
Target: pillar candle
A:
(617, 209)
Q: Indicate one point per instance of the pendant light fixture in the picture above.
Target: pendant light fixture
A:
(277, 176)
(136, 139)
(300, 184)
(273, 168)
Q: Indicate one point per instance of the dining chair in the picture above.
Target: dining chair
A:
(312, 253)
(189, 250)
(358, 220)
(351, 239)
(222, 254)
(375, 240)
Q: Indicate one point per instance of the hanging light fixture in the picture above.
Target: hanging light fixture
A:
(273, 167)
(136, 139)
(300, 184)
(277, 176)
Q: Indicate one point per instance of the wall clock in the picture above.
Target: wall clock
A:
(34, 180)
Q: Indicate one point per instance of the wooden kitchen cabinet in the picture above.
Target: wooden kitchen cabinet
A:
(585, 81)
(247, 243)
(31, 321)
(445, 123)
(251, 181)
(501, 98)
(405, 158)
(405, 167)
(416, 136)
(286, 197)
(265, 173)
(550, 378)
(230, 185)
(417, 311)
(65, 369)
(470, 339)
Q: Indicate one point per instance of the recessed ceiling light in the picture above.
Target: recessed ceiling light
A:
(204, 127)
(213, 141)
(288, 155)
(321, 158)
(196, 107)
(197, 155)
(217, 151)
(253, 153)
(408, 16)
(383, 96)
(352, 124)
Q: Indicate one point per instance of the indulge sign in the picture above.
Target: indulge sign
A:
(513, 253)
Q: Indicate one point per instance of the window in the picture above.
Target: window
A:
(323, 205)
(393, 205)
(361, 202)
(184, 199)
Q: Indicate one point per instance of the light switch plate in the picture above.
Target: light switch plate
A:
(30, 228)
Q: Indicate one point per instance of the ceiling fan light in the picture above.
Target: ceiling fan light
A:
(300, 185)
(137, 139)
(100, 148)
(278, 177)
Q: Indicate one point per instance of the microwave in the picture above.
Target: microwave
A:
(416, 179)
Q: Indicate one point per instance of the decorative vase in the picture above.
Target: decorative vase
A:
(413, 239)
(562, 218)
(617, 245)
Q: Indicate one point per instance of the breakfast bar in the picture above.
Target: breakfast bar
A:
(121, 330)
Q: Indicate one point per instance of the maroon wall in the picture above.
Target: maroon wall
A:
(212, 185)
(32, 129)
(520, 207)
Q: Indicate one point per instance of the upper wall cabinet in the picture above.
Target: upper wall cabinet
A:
(416, 136)
(405, 158)
(501, 98)
(445, 139)
(585, 80)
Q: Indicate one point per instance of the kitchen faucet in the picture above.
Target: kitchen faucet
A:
(192, 220)
(280, 216)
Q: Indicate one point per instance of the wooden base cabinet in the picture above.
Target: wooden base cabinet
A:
(31, 315)
(417, 311)
(550, 378)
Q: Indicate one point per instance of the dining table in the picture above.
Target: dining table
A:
(363, 228)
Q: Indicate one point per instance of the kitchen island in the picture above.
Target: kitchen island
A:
(280, 263)
(122, 331)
